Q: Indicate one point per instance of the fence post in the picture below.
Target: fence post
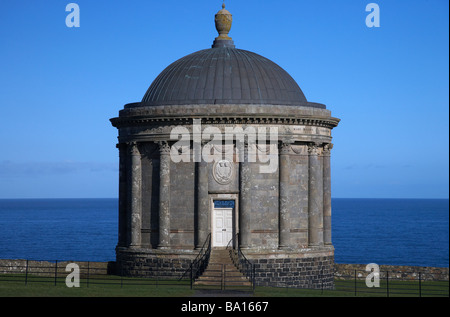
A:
(355, 282)
(387, 283)
(56, 270)
(158, 271)
(420, 284)
(121, 276)
(321, 278)
(26, 274)
(88, 275)
(191, 274)
(322, 286)
(223, 277)
(253, 277)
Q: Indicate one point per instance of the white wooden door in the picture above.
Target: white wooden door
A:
(222, 226)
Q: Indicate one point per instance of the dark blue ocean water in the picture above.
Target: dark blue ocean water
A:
(383, 231)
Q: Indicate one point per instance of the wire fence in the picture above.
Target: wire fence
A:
(391, 284)
(88, 273)
(356, 283)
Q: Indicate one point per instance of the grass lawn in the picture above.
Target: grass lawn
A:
(115, 286)
(347, 289)
(106, 286)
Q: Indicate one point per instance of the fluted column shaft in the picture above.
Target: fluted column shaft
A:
(123, 199)
(283, 195)
(164, 196)
(135, 195)
(202, 203)
(244, 200)
(315, 199)
(327, 194)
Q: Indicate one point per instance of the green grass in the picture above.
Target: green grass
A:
(115, 286)
(347, 289)
(105, 286)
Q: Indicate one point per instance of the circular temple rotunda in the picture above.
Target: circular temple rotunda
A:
(225, 151)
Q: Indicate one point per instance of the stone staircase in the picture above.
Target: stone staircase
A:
(221, 273)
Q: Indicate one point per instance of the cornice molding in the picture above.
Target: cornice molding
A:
(327, 122)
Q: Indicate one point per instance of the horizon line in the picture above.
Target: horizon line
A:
(30, 198)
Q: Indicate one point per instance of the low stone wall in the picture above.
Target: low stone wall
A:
(285, 271)
(347, 271)
(44, 268)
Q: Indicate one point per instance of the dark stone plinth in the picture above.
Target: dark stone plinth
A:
(310, 269)
(163, 264)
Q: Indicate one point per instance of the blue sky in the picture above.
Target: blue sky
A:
(59, 86)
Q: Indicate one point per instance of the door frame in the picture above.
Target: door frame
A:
(234, 197)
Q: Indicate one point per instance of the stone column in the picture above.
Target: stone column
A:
(244, 199)
(315, 199)
(164, 195)
(283, 196)
(135, 195)
(327, 194)
(202, 203)
(123, 199)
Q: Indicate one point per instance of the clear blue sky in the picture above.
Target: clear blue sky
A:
(60, 86)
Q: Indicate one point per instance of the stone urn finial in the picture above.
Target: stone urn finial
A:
(223, 20)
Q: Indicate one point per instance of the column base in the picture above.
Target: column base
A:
(315, 245)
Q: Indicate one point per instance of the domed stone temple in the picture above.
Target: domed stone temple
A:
(225, 151)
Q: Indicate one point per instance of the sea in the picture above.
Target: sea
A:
(412, 232)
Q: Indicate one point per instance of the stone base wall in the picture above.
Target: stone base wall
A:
(152, 264)
(312, 273)
(278, 269)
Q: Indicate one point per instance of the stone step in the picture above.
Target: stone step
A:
(220, 266)
(228, 281)
(236, 280)
(220, 282)
(221, 272)
(220, 258)
(230, 274)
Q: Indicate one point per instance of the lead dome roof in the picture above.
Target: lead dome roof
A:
(224, 75)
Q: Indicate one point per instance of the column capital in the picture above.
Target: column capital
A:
(133, 148)
(164, 147)
(313, 149)
(327, 148)
(285, 148)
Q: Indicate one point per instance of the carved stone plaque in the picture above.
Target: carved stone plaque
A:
(223, 172)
